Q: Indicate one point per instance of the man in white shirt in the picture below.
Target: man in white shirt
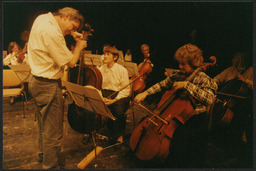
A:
(115, 80)
(47, 57)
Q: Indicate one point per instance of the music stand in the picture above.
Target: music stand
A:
(92, 59)
(22, 71)
(132, 68)
(89, 98)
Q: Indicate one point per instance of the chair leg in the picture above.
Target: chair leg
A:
(23, 103)
(26, 99)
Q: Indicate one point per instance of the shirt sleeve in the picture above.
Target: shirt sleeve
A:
(166, 83)
(220, 77)
(57, 48)
(125, 82)
(203, 89)
(7, 59)
(249, 77)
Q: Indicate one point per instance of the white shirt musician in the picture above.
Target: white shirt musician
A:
(116, 91)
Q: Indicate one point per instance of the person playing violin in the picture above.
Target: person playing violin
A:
(115, 78)
(16, 56)
(47, 57)
(12, 59)
(193, 133)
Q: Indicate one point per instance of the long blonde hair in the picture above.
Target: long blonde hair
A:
(11, 45)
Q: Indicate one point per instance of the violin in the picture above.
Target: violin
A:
(144, 69)
(151, 139)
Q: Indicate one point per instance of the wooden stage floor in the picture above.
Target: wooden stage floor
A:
(20, 145)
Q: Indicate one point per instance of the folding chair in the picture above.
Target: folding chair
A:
(11, 83)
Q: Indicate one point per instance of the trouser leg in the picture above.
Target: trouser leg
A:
(118, 109)
(49, 103)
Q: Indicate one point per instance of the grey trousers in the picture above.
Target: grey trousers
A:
(48, 101)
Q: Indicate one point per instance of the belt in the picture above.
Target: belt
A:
(48, 80)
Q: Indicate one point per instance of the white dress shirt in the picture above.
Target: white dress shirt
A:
(115, 79)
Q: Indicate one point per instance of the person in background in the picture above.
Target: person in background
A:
(128, 56)
(13, 59)
(240, 124)
(115, 77)
(240, 69)
(189, 141)
(24, 36)
(47, 57)
(16, 56)
(156, 75)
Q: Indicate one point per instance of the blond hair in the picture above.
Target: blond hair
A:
(11, 46)
(190, 54)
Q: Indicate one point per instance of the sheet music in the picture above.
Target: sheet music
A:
(170, 70)
(132, 68)
(88, 97)
(92, 59)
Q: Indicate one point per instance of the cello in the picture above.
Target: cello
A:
(80, 119)
(144, 69)
(234, 93)
(151, 139)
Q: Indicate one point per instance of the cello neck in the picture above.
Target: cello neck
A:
(170, 95)
(80, 73)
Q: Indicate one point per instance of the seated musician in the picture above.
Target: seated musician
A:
(16, 56)
(240, 70)
(13, 59)
(156, 75)
(115, 77)
(189, 140)
(154, 61)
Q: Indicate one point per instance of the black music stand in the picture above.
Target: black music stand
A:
(89, 98)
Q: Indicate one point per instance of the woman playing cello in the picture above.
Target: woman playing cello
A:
(189, 140)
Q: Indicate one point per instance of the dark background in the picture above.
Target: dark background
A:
(222, 27)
